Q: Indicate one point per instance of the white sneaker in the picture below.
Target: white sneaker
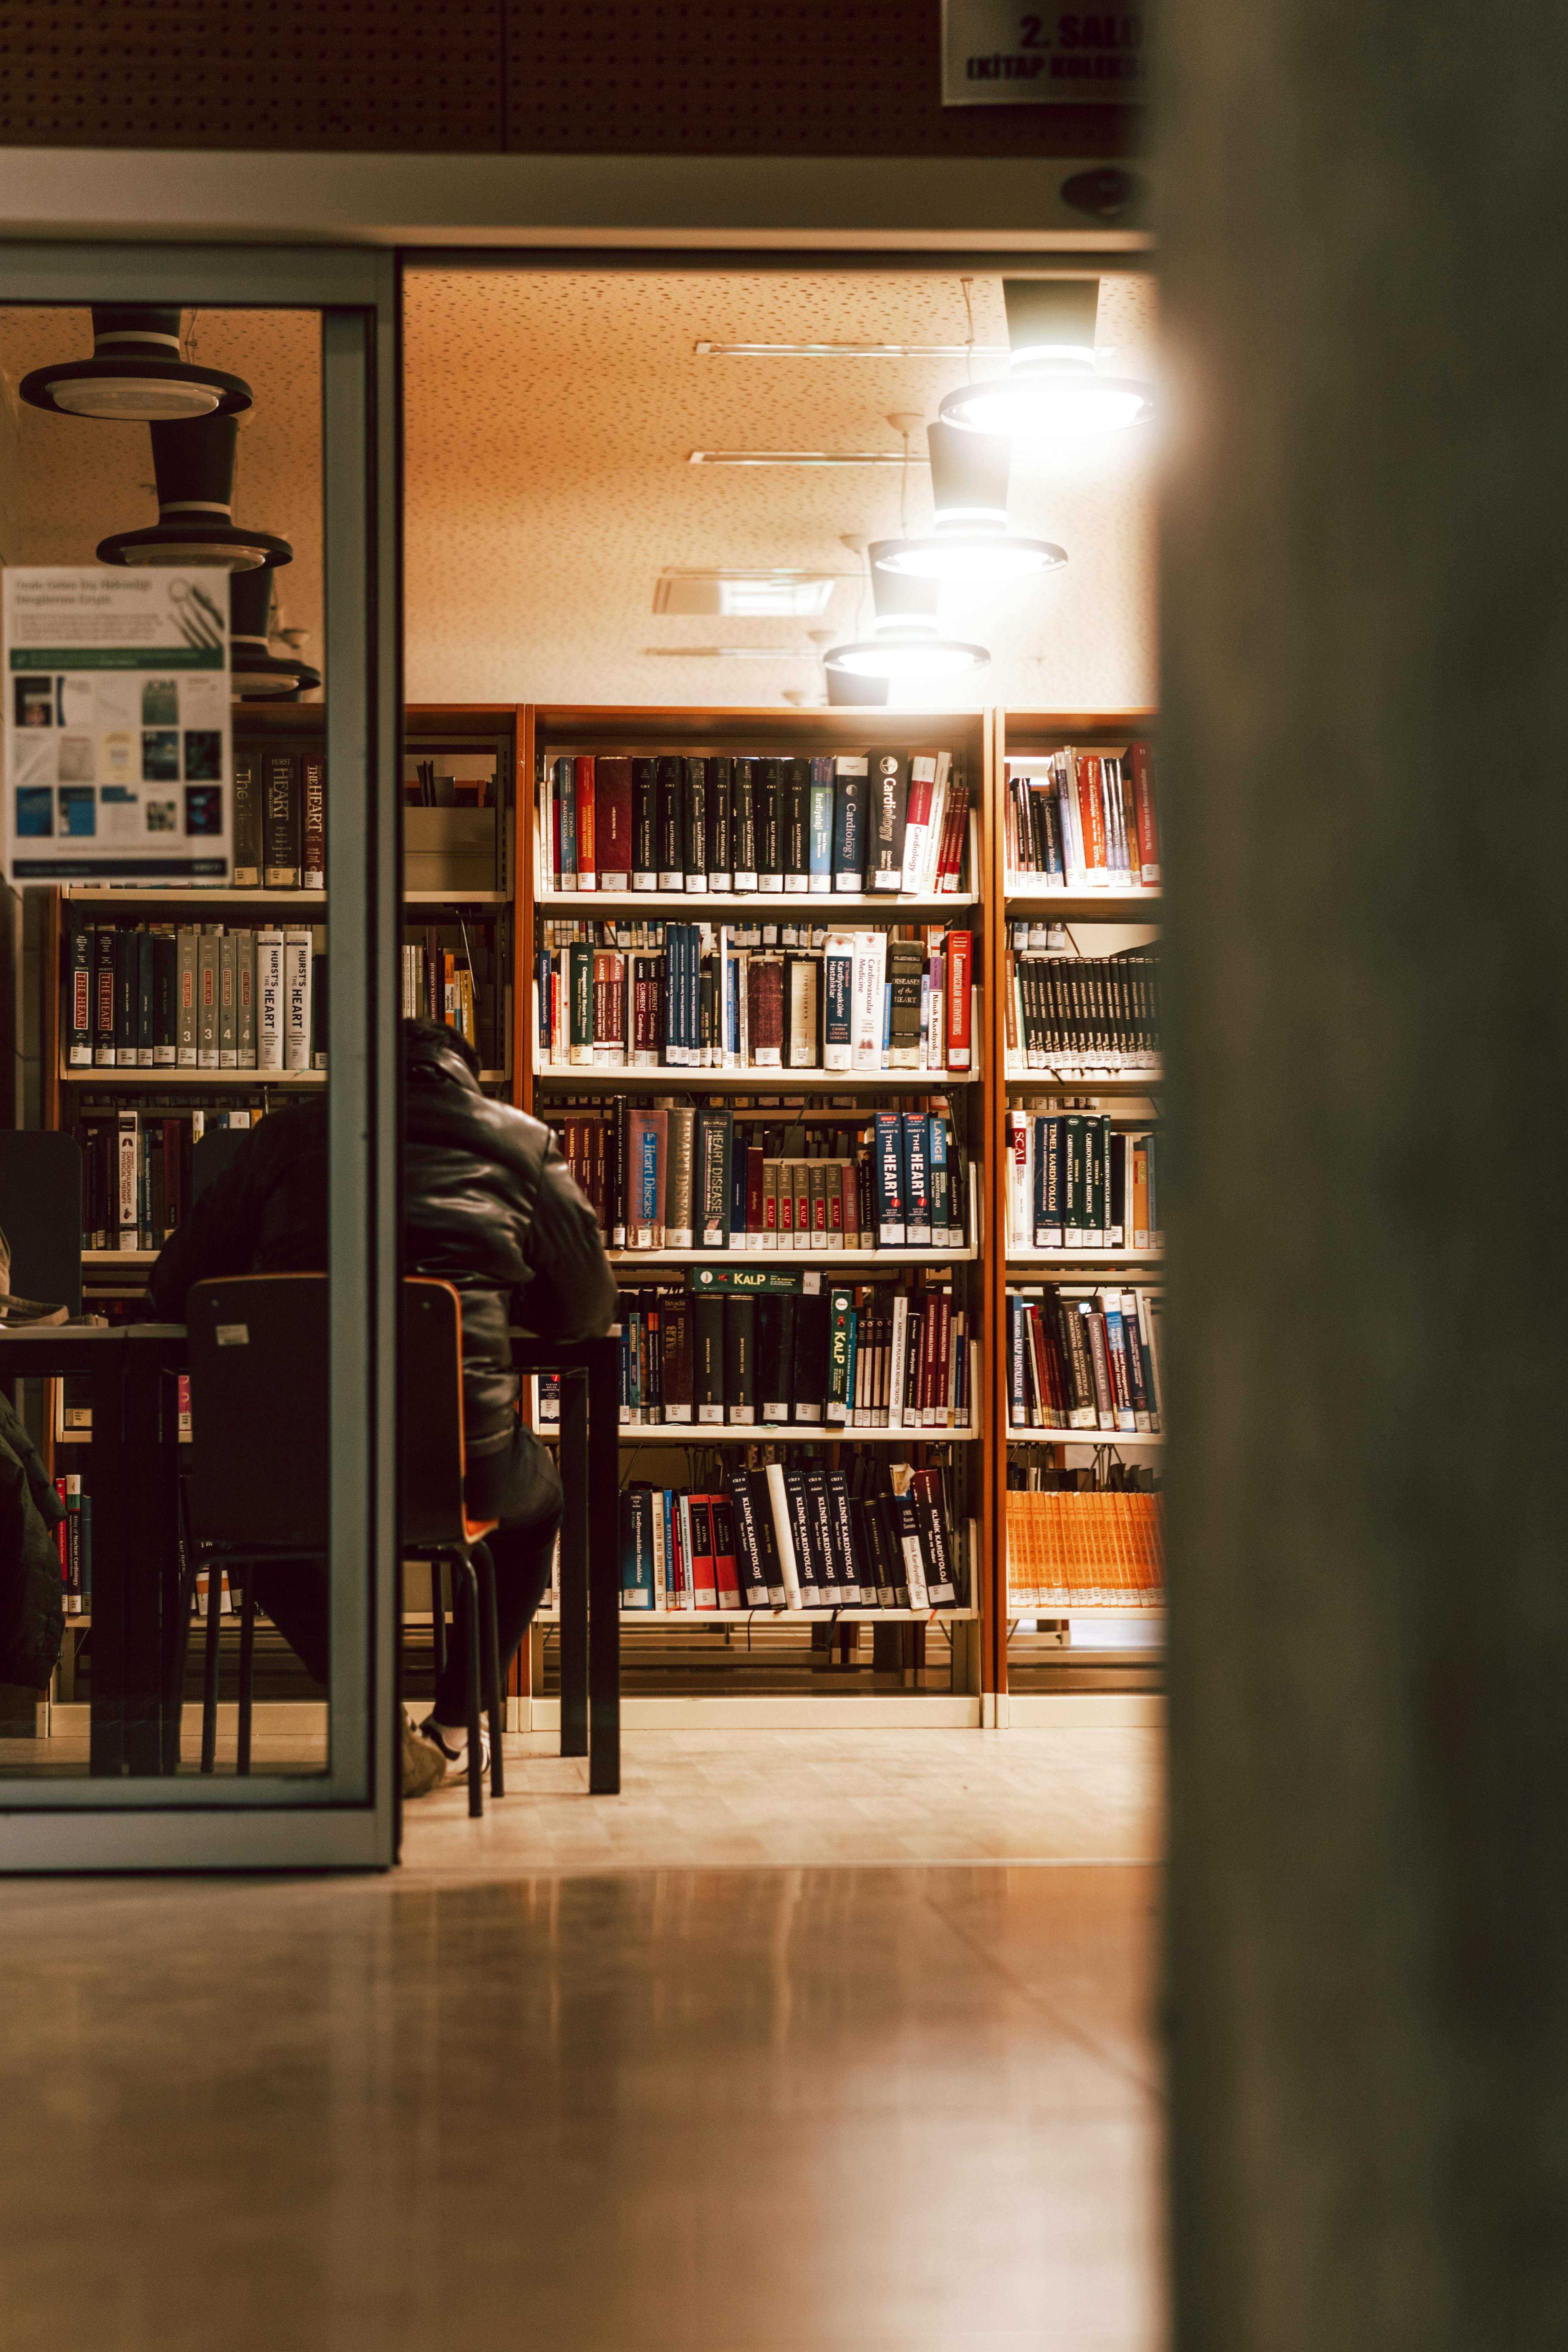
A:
(457, 1758)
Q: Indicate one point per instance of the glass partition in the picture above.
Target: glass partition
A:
(197, 1166)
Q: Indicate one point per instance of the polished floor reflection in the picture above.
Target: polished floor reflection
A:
(888, 2103)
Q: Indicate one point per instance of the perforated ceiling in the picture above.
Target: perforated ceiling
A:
(550, 423)
(550, 417)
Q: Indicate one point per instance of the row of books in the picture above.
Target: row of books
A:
(776, 825)
(1074, 1181)
(1068, 1549)
(669, 1175)
(865, 1358)
(1077, 1016)
(1085, 1360)
(712, 996)
(200, 997)
(73, 1539)
(1082, 820)
(136, 1167)
(450, 976)
(794, 1535)
(280, 835)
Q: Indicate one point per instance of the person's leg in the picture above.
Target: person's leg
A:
(520, 1488)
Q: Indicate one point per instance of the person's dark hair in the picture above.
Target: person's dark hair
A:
(422, 1032)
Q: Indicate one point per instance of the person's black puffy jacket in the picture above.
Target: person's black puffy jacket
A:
(489, 1206)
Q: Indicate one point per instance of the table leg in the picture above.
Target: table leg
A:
(603, 1575)
(574, 1551)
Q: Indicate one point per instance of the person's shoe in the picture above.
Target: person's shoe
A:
(455, 1758)
(424, 1760)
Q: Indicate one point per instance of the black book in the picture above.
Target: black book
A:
(931, 1510)
(770, 823)
(797, 825)
(166, 974)
(846, 1551)
(808, 1566)
(809, 1384)
(751, 1557)
(744, 824)
(695, 856)
(885, 1509)
(145, 992)
(644, 825)
(127, 987)
(318, 1012)
(246, 822)
(280, 829)
(105, 967)
(669, 781)
(79, 1009)
(615, 1170)
(741, 1357)
(775, 1355)
(708, 1349)
(836, 1589)
(718, 821)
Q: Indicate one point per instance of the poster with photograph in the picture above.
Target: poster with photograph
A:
(117, 725)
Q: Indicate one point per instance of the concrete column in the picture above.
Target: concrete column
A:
(1365, 782)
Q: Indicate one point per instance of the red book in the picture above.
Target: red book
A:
(1142, 760)
(612, 821)
(960, 947)
(587, 865)
(833, 1202)
(704, 1571)
(955, 834)
(1091, 818)
(726, 1576)
(943, 1358)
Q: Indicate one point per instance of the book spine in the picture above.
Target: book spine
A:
(246, 823)
(744, 824)
(585, 814)
(820, 829)
(645, 825)
(870, 981)
(851, 785)
(959, 1010)
(269, 1001)
(297, 979)
(281, 824)
(313, 821)
(228, 1004)
(694, 853)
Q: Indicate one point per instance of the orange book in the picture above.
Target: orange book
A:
(1090, 817)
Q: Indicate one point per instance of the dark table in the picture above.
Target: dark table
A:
(138, 1639)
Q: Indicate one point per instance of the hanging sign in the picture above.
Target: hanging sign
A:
(994, 54)
(117, 725)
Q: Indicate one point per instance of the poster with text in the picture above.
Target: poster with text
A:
(117, 725)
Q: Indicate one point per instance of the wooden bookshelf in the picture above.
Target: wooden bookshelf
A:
(1016, 735)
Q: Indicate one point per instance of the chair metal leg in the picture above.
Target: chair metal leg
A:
(463, 1573)
(209, 1668)
(247, 1670)
(495, 1704)
(438, 1617)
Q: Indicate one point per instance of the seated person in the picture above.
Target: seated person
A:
(489, 1206)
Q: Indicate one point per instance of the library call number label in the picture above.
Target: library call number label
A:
(994, 54)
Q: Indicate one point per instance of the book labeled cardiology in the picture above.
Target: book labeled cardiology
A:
(118, 757)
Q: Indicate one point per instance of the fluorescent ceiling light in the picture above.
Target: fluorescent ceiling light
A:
(801, 457)
(851, 351)
(779, 595)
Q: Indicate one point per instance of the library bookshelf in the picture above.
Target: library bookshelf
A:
(951, 1665)
(1097, 921)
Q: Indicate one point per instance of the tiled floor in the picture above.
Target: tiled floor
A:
(573, 2080)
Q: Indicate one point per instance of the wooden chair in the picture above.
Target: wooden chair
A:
(259, 1486)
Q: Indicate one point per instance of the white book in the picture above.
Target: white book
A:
(269, 1017)
(296, 1000)
(656, 1514)
(778, 1503)
(896, 1366)
(1020, 1181)
(935, 827)
(870, 973)
(917, 830)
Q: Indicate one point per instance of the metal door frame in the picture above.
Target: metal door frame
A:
(348, 1816)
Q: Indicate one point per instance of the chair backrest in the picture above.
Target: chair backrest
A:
(258, 1357)
(212, 1155)
(41, 1211)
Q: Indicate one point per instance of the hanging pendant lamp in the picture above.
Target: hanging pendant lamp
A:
(195, 467)
(1052, 393)
(846, 692)
(256, 673)
(908, 643)
(969, 540)
(135, 373)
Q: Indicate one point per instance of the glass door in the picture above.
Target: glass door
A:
(198, 529)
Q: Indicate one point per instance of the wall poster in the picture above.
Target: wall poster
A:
(117, 725)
